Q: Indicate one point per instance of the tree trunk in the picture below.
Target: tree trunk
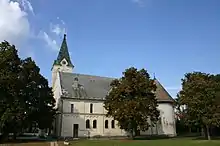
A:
(132, 134)
(14, 136)
(208, 132)
(137, 132)
(49, 131)
(30, 129)
(41, 133)
(204, 131)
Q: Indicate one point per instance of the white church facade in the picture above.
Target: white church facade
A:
(79, 101)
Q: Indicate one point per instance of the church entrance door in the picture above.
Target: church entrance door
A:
(75, 130)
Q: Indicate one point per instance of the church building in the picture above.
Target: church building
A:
(79, 100)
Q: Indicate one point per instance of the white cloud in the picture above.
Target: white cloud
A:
(14, 24)
(58, 29)
(51, 43)
(139, 2)
(62, 22)
(58, 18)
(26, 5)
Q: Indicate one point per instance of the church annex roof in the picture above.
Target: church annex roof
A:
(96, 87)
(63, 53)
(161, 92)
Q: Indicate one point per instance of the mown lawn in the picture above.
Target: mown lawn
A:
(167, 142)
(162, 142)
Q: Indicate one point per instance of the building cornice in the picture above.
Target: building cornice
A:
(102, 100)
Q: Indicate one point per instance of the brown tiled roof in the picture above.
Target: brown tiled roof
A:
(161, 93)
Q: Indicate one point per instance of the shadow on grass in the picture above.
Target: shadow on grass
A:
(197, 136)
(32, 140)
(152, 137)
(205, 138)
(189, 137)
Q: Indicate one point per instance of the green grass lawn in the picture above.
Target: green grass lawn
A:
(165, 142)
(162, 142)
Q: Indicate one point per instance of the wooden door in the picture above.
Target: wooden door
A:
(75, 130)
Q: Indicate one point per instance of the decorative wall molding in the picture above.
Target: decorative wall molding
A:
(71, 115)
(89, 114)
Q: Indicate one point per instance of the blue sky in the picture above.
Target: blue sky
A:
(166, 37)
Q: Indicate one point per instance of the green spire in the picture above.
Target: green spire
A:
(63, 53)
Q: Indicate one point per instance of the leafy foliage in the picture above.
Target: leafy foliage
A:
(38, 96)
(25, 96)
(200, 95)
(132, 100)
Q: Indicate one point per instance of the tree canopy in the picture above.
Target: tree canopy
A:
(25, 97)
(132, 102)
(200, 96)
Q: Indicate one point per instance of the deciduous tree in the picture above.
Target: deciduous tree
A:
(199, 95)
(25, 97)
(11, 110)
(38, 95)
(132, 102)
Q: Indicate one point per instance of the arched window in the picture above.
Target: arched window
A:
(106, 124)
(87, 124)
(113, 123)
(94, 124)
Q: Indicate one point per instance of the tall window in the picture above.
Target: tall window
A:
(91, 108)
(113, 123)
(106, 124)
(87, 124)
(72, 108)
(94, 124)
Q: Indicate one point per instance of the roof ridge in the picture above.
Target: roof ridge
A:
(89, 75)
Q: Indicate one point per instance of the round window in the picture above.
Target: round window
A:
(64, 62)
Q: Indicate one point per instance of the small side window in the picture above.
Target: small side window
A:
(106, 124)
(72, 108)
(113, 124)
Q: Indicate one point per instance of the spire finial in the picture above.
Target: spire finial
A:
(154, 77)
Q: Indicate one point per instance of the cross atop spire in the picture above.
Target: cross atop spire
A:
(63, 54)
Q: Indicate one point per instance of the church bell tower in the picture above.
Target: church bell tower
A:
(63, 62)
